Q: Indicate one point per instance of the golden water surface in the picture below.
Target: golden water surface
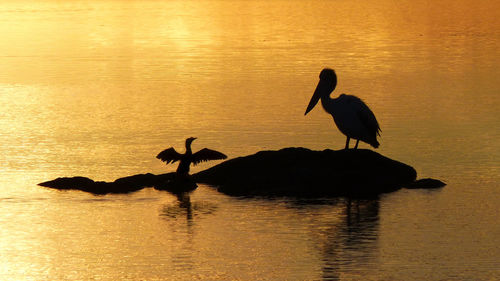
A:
(98, 88)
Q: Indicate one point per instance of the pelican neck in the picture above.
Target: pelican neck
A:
(327, 102)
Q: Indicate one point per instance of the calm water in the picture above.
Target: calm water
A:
(98, 88)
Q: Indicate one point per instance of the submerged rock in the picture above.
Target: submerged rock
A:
(304, 172)
(426, 184)
(121, 185)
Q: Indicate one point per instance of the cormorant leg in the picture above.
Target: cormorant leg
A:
(347, 143)
(356, 146)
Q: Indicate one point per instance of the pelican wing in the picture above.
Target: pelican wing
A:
(366, 115)
(169, 155)
(207, 154)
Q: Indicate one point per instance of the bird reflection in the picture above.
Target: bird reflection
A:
(181, 208)
(350, 243)
(351, 115)
(185, 203)
(346, 243)
(184, 208)
(180, 216)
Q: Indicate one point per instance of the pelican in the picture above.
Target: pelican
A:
(351, 115)
(169, 155)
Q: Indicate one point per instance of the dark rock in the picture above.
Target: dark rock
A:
(177, 184)
(286, 172)
(68, 183)
(425, 183)
(121, 185)
(303, 172)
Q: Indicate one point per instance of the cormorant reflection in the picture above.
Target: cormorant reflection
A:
(183, 207)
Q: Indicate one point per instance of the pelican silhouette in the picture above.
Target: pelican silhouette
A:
(351, 115)
(169, 155)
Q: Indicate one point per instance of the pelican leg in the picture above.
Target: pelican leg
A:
(356, 146)
(347, 143)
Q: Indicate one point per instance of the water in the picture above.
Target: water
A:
(98, 88)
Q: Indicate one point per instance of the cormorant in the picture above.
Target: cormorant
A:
(169, 155)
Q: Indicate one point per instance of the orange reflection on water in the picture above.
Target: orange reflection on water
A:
(98, 88)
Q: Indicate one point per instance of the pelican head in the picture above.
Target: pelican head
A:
(326, 84)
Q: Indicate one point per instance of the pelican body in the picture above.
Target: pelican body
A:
(351, 115)
(170, 155)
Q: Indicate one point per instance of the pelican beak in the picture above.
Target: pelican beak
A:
(318, 93)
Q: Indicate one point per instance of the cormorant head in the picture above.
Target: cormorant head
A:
(326, 84)
(190, 140)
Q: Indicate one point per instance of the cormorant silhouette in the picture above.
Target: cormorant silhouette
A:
(351, 115)
(169, 155)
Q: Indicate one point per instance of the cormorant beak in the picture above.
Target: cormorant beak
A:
(321, 90)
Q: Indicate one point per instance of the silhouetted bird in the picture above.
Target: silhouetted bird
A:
(351, 115)
(171, 156)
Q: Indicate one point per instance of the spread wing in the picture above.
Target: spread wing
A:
(366, 115)
(169, 155)
(207, 154)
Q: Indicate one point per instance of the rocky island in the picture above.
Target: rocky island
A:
(304, 172)
(285, 172)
